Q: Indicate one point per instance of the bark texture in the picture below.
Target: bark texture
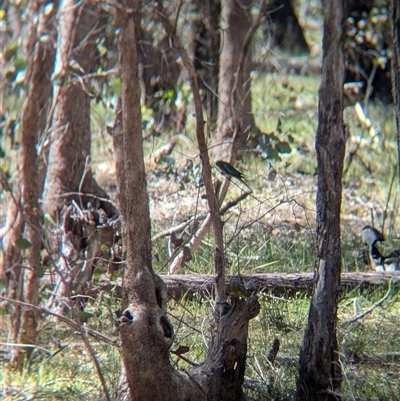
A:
(277, 284)
(319, 371)
(204, 47)
(72, 198)
(79, 25)
(395, 16)
(145, 331)
(234, 108)
(22, 274)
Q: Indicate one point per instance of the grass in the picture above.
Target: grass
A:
(66, 371)
(269, 232)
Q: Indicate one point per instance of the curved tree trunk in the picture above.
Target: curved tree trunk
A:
(145, 330)
(22, 274)
(319, 371)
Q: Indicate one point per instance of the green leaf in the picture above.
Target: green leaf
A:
(19, 63)
(10, 51)
(104, 247)
(23, 243)
(84, 316)
(168, 94)
(39, 272)
(273, 154)
(283, 147)
(48, 219)
(6, 186)
(116, 86)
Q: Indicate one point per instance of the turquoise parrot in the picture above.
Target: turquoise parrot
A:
(228, 170)
(238, 290)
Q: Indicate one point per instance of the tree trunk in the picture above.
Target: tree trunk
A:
(145, 331)
(234, 108)
(79, 26)
(22, 283)
(319, 370)
(71, 197)
(395, 16)
(204, 47)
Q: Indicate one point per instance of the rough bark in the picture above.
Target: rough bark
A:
(145, 331)
(22, 275)
(234, 108)
(12, 263)
(204, 47)
(79, 25)
(319, 370)
(395, 16)
(71, 196)
(277, 284)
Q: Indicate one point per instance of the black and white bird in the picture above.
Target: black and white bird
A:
(371, 236)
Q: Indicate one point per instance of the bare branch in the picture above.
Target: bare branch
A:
(220, 295)
(373, 307)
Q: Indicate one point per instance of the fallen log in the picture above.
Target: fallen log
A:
(278, 284)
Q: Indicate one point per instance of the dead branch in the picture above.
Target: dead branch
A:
(220, 295)
(373, 307)
(277, 284)
(71, 323)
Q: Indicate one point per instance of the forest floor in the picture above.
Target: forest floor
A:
(271, 231)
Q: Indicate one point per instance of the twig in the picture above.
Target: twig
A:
(179, 227)
(19, 345)
(64, 319)
(220, 294)
(88, 195)
(388, 198)
(368, 89)
(81, 329)
(85, 172)
(372, 308)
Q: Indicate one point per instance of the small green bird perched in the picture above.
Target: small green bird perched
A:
(229, 171)
(237, 290)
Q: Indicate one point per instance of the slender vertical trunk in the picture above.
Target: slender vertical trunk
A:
(395, 16)
(69, 177)
(234, 108)
(319, 371)
(23, 285)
